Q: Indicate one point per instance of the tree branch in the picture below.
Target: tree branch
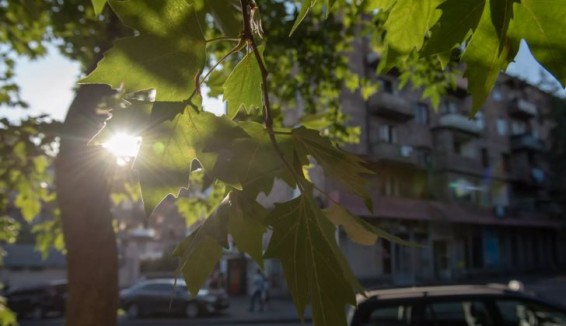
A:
(248, 6)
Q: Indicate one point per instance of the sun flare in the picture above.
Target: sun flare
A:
(124, 147)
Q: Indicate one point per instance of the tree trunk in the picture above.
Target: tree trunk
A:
(82, 191)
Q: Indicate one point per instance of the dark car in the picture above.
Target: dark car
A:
(167, 296)
(462, 305)
(38, 301)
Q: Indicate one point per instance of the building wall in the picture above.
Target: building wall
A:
(493, 166)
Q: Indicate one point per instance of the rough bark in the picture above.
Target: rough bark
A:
(83, 195)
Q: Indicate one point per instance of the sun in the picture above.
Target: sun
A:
(124, 147)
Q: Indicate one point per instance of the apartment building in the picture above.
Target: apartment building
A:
(475, 194)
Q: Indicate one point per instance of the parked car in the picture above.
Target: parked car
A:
(462, 305)
(38, 301)
(167, 296)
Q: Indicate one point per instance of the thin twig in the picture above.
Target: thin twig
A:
(247, 34)
(222, 38)
(234, 50)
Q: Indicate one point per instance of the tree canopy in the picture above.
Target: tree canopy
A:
(265, 58)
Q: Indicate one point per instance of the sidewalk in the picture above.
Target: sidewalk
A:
(276, 311)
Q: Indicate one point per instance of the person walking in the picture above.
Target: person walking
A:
(258, 289)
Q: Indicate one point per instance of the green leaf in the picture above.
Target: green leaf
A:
(304, 240)
(227, 15)
(408, 22)
(501, 15)
(246, 224)
(371, 5)
(243, 86)
(165, 156)
(358, 229)
(540, 23)
(98, 6)
(483, 59)
(257, 163)
(167, 55)
(199, 254)
(169, 147)
(345, 168)
(459, 17)
(307, 5)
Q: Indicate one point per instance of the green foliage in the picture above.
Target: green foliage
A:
(485, 57)
(343, 167)
(7, 317)
(359, 230)
(26, 178)
(166, 56)
(98, 5)
(540, 24)
(303, 239)
(231, 159)
(243, 87)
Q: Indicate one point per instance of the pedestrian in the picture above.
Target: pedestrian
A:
(257, 290)
(265, 292)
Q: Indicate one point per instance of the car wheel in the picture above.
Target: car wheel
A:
(191, 310)
(133, 311)
(37, 313)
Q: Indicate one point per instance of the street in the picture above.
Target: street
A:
(277, 312)
(165, 322)
(281, 312)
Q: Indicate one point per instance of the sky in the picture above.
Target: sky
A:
(47, 84)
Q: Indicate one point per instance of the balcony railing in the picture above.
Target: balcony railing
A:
(522, 109)
(391, 106)
(459, 122)
(396, 153)
(458, 163)
(531, 176)
(527, 142)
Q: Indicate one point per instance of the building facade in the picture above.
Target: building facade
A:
(474, 193)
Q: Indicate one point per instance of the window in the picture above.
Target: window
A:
(456, 313)
(391, 187)
(477, 252)
(501, 125)
(465, 147)
(484, 158)
(478, 119)
(386, 257)
(158, 287)
(396, 315)
(383, 313)
(506, 162)
(421, 113)
(388, 134)
(496, 93)
(450, 106)
(524, 313)
(387, 86)
(518, 127)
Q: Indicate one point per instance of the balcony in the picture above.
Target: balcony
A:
(527, 142)
(391, 106)
(522, 109)
(459, 122)
(458, 163)
(532, 177)
(396, 153)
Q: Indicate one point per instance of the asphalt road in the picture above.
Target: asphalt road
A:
(161, 322)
